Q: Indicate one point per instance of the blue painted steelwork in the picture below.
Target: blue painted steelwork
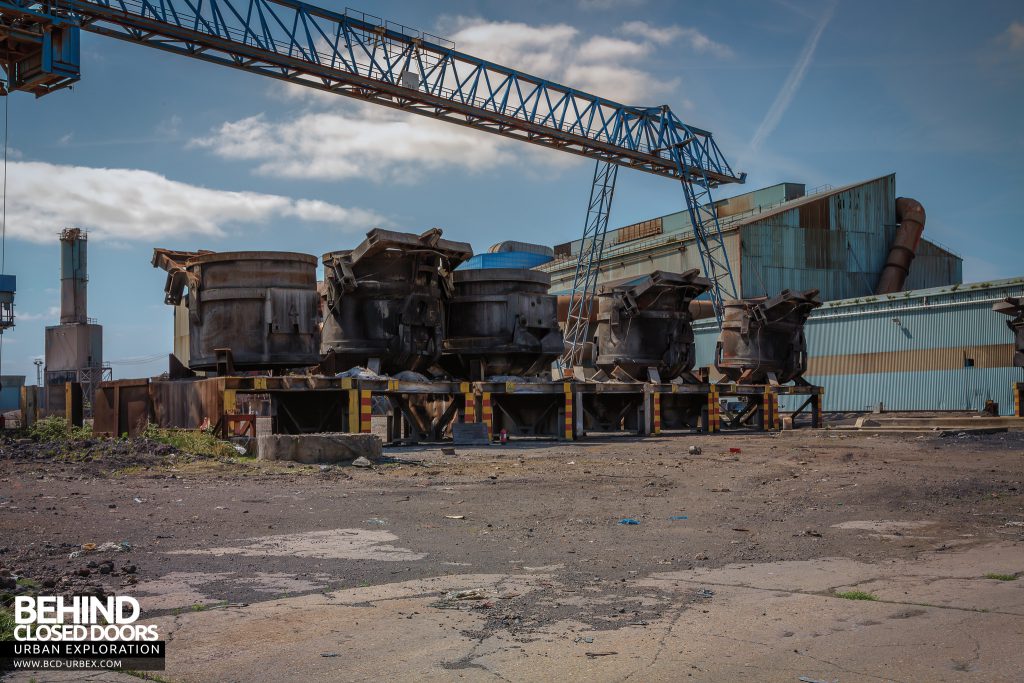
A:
(505, 259)
(934, 349)
(8, 287)
(584, 281)
(10, 391)
(362, 56)
(40, 48)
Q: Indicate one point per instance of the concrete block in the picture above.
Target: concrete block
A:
(470, 434)
(318, 448)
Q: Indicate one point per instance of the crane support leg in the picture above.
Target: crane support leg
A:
(711, 245)
(584, 282)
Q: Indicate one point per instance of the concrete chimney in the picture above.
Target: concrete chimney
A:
(74, 277)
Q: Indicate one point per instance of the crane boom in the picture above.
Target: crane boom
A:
(354, 54)
(370, 59)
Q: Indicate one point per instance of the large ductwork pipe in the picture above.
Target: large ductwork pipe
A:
(910, 215)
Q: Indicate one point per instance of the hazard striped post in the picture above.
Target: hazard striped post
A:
(714, 411)
(656, 412)
(569, 415)
(770, 402)
(1018, 400)
(469, 410)
(486, 415)
(365, 411)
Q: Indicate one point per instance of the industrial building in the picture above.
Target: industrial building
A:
(935, 346)
(835, 240)
(928, 349)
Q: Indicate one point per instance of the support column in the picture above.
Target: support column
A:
(714, 411)
(365, 411)
(469, 398)
(486, 414)
(569, 412)
(656, 413)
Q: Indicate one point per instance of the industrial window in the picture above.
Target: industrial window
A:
(968, 362)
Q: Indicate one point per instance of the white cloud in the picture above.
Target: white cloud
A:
(132, 204)
(792, 84)
(336, 139)
(365, 141)
(663, 35)
(630, 85)
(52, 314)
(538, 50)
(1014, 35)
(604, 48)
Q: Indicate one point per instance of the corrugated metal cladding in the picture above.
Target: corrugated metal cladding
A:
(933, 349)
(745, 203)
(835, 241)
(505, 259)
(678, 258)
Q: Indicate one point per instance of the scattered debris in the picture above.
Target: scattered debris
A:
(584, 639)
(705, 593)
(455, 516)
(629, 520)
(678, 517)
(447, 451)
(362, 461)
(735, 450)
(600, 654)
(694, 450)
(808, 679)
(109, 547)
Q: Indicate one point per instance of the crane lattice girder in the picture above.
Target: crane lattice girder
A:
(353, 55)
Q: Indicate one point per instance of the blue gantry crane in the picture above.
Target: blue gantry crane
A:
(374, 60)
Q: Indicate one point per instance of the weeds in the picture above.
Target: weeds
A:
(856, 595)
(6, 624)
(194, 442)
(56, 429)
(1001, 577)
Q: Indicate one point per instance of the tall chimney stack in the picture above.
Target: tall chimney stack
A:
(74, 277)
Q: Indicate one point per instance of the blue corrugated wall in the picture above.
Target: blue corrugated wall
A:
(958, 319)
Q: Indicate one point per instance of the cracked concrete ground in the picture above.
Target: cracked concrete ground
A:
(735, 572)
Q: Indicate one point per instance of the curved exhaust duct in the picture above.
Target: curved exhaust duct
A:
(910, 214)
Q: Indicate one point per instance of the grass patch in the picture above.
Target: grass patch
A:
(856, 595)
(6, 624)
(29, 583)
(1001, 577)
(195, 442)
(56, 429)
(198, 607)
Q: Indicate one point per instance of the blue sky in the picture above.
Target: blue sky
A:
(151, 149)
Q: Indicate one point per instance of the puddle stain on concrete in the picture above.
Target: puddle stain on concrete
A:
(332, 544)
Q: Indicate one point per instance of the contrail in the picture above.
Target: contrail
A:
(789, 88)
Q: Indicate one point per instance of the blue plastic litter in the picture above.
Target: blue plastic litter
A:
(629, 520)
(678, 517)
